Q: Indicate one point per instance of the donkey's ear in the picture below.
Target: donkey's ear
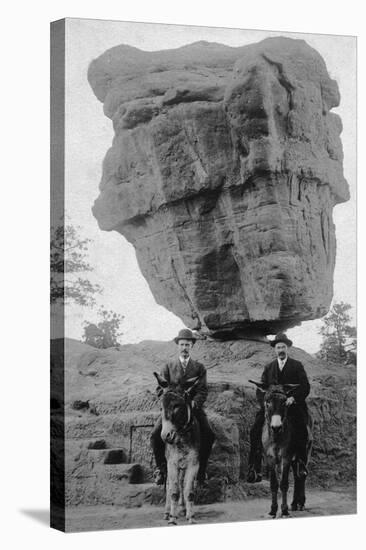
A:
(259, 385)
(161, 381)
(290, 388)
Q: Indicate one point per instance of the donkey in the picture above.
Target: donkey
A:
(279, 449)
(180, 432)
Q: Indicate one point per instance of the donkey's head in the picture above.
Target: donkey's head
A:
(176, 404)
(275, 404)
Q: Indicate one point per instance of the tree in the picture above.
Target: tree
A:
(339, 337)
(68, 261)
(106, 332)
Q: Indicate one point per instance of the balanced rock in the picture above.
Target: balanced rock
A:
(223, 174)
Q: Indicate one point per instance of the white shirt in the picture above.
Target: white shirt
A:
(281, 362)
(184, 363)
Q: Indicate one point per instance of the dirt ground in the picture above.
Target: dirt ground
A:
(319, 503)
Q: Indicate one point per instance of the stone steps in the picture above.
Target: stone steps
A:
(132, 431)
(101, 475)
(108, 456)
(130, 473)
(113, 453)
(104, 476)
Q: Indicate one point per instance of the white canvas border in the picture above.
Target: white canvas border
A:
(25, 268)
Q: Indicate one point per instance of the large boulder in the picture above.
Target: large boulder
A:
(224, 170)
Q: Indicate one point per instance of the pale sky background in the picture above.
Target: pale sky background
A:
(89, 134)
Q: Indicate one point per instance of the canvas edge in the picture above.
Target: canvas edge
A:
(57, 324)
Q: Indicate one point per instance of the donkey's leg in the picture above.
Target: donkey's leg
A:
(301, 483)
(173, 483)
(295, 499)
(168, 459)
(274, 489)
(191, 474)
(174, 495)
(284, 486)
(301, 494)
(298, 502)
(167, 500)
(182, 506)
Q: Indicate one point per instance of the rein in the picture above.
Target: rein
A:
(188, 424)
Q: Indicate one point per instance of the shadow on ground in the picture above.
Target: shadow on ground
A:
(42, 516)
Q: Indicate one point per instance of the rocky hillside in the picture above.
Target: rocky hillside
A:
(110, 407)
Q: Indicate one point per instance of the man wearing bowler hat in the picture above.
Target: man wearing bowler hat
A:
(177, 372)
(283, 370)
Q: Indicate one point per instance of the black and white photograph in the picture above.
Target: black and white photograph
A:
(203, 275)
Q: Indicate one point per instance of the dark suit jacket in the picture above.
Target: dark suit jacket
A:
(292, 373)
(173, 373)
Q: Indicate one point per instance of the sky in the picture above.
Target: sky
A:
(89, 134)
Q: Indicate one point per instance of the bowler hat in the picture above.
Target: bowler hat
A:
(281, 337)
(185, 334)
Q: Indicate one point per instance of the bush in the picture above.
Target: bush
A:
(105, 333)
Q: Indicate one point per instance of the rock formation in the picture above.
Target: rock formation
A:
(224, 170)
(107, 444)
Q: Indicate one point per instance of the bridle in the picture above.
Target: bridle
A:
(278, 395)
(184, 429)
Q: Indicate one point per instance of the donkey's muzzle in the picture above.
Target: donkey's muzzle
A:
(169, 437)
(276, 424)
(276, 430)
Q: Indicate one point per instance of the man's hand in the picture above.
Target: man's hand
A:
(290, 401)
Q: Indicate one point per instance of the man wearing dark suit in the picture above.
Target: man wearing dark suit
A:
(175, 372)
(283, 370)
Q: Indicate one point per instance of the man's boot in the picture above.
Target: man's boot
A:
(202, 475)
(301, 440)
(255, 453)
(160, 475)
(253, 476)
(158, 447)
(207, 440)
(302, 470)
(255, 463)
(202, 479)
